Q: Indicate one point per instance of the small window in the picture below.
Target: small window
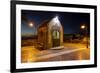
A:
(55, 34)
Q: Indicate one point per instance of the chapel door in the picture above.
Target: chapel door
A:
(56, 38)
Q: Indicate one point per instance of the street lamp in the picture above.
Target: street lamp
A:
(84, 27)
(31, 24)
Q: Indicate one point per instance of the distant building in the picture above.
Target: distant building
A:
(50, 34)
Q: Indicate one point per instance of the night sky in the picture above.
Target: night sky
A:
(71, 22)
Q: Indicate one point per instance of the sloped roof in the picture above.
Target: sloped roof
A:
(44, 23)
(51, 21)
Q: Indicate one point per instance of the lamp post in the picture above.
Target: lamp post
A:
(84, 27)
(33, 25)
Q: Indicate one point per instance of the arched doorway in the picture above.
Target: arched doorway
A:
(55, 38)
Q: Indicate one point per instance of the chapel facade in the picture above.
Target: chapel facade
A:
(50, 34)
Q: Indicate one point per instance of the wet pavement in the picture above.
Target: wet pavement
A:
(71, 51)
